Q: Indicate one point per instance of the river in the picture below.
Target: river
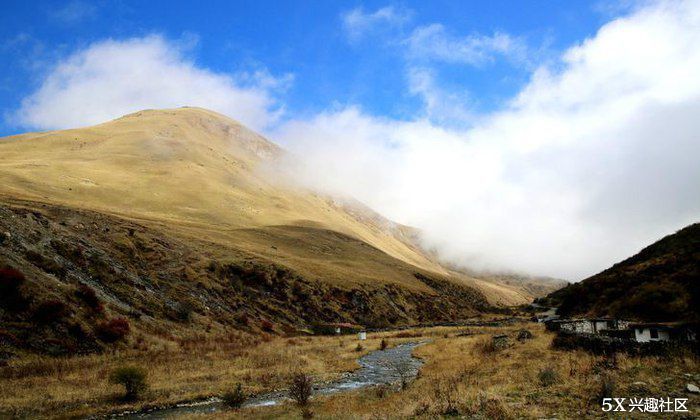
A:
(379, 367)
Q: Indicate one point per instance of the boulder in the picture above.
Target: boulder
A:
(524, 335)
(500, 341)
(693, 389)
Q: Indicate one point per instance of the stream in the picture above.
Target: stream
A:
(379, 367)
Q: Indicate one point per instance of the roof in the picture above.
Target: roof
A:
(664, 325)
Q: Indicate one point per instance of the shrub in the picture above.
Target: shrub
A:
(359, 347)
(266, 326)
(547, 376)
(300, 389)
(49, 311)
(10, 281)
(606, 388)
(183, 311)
(235, 398)
(87, 294)
(113, 330)
(383, 344)
(132, 378)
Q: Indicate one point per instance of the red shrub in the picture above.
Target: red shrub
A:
(49, 311)
(266, 325)
(113, 330)
(10, 280)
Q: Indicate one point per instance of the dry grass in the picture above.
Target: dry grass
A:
(464, 376)
(458, 377)
(43, 386)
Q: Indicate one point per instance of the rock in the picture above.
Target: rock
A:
(524, 335)
(500, 341)
(640, 387)
(693, 389)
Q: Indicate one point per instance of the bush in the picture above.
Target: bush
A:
(547, 376)
(300, 389)
(87, 294)
(10, 281)
(183, 311)
(132, 378)
(113, 330)
(49, 311)
(235, 398)
(266, 326)
(359, 347)
(606, 388)
(383, 344)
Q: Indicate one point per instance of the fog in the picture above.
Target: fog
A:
(595, 158)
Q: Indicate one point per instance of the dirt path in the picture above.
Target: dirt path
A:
(388, 366)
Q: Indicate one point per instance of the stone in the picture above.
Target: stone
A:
(693, 389)
(524, 335)
(500, 341)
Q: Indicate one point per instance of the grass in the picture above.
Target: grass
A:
(458, 377)
(197, 368)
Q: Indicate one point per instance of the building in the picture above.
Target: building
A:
(617, 328)
(587, 326)
(664, 331)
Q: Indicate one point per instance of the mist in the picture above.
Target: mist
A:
(595, 158)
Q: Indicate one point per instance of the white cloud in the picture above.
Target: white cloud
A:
(594, 159)
(357, 23)
(112, 78)
(432, 42)
(439, 105)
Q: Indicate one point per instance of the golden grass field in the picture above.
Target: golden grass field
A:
(462, 375)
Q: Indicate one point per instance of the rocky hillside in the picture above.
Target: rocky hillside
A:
(660, 283)
(77, 281)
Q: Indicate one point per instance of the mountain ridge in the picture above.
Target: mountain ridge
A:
(659, 283)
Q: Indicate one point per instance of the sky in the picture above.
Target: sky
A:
(543, 137)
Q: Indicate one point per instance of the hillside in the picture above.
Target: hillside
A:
(177, 222)
(660, 283)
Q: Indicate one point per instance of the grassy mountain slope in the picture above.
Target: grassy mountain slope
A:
(660, 283)
(189, 168)
(174, 220)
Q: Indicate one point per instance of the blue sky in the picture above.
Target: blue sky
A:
(306, 41)
(550, 137)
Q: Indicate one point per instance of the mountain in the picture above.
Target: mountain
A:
(660, 283)
(175, 221)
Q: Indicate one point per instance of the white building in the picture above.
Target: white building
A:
(588, 326)
(362, 335)
(645, 333)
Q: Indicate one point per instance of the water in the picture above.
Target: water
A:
(379, 367)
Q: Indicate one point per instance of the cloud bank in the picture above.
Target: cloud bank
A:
(111, 78)
(595, 158)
